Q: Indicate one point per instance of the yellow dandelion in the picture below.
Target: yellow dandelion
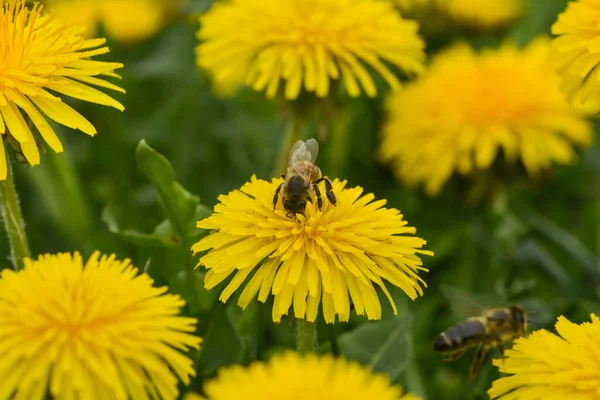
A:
(307, 43)
(488, 14)
(478, 14)
(38, 54)
(286, 375)
(123, 20)
(471, 107)
(576, 54)
(98, 331)
(545, 366)
(322, 256)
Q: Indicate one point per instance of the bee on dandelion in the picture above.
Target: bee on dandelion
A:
(332, 254)
(302, 179)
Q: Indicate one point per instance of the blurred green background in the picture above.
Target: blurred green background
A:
(535, 245)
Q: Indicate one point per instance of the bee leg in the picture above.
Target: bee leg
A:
(283, 176)
(500, 348)
(276, 197)
(479, 359)
(453, 356)
(319, 199)
(328, 189)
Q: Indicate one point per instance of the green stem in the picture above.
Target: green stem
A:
(13, 220)
(293, 133)
(306, 337)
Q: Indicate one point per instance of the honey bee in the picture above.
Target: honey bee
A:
(492, 328)
(302, 178)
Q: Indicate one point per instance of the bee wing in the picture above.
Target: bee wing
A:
(466, 304)
(304, 151)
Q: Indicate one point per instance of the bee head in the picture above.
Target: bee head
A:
(519, 317)
(295, 206)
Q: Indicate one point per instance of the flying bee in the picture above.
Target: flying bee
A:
(492, 328)
(302, 178)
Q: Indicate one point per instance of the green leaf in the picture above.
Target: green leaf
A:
(384, 346)
(163, 234)
(179, 205)
(198, 298)
(532, 251)
(222, 344)
(567, 241)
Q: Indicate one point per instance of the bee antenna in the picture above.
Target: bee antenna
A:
(529, 321)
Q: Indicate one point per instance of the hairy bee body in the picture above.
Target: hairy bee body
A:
(492, 329)
(301, 179)
(461, 336)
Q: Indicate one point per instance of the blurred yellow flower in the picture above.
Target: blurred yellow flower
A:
(98, 331)
(38, 53)
(321, 256)
(480, 14)
(307, 43)
(291, 376)
(123, 20)
(576, 54)
(469, 108)
(484, 14)
(545, 366)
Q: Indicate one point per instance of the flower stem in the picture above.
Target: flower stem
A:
(306, 336)
(13, 220)
(293, 133)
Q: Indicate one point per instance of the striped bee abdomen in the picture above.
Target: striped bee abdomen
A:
(460, 336)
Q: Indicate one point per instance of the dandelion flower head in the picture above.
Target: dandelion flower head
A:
(93, 331)
(308, 44)
(41, 59)
(546, 366)
(471, 107)
(291, 376)
(576, 54)
(318, 257)
(122, 20)
(476, 14)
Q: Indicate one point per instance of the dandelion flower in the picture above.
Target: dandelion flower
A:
(308, 44)
(322, 256)
(286, 375)
(576, 54)
(476, 14)
(545, 366)
(470, 107)
(123, 20)
(488, 14)
(39, 58)
(98, 331)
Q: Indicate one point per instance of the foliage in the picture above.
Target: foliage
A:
(138, 187)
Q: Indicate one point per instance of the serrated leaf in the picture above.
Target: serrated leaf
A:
(384, 346)
(179, 205)
(163, 234)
